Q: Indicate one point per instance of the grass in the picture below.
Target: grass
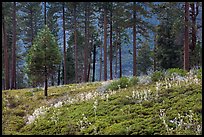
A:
(116, 112)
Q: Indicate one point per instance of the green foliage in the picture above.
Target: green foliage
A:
(29, 94)
(196, 55)
(178, 71)
(157, 76)
(44, 52)
(123, 82)
(199, 73)
(169, 36)
(144, 58)
(133, 81)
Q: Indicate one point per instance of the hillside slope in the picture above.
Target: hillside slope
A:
(165, 107)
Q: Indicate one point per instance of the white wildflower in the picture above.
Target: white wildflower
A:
(133, 94)
(199, 129)
(169, 85)
(166, 86)
(107, 96)
(58, 104)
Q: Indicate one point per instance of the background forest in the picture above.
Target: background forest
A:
(100, 40)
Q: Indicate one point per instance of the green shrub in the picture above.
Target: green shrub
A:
(113, 85)
(19, 112)
(157, 76)
(178, 71)
(199, 73)
(121, 83)
(37, 89)
(133, 81)
(29, 94)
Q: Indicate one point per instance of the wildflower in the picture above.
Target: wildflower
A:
(133, 94)
(166, 86)
(107, 96)
(58, 104)
(199, 129)
(145, 94)
(170, 85)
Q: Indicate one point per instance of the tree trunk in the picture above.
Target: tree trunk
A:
(94, 61)
(45, 90)
(154, 62)
(186, 41)
(45, 12)
(193, 17)
(105, 43)
(88, 41)
(31, 22)
(86, 44)
(58, 77)
(75, 43)
(65, 77)
(120, 59)
(134, 43)
(88, 75)
(13, 82)
(6, 61)
(52, 81)
(100, 63)
(111, 47)
(116, 57)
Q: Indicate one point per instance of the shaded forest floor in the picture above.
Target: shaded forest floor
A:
(88, 108)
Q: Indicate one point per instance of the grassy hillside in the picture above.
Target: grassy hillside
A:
(163, 107)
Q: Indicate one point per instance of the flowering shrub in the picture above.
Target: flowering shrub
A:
(182, 123)
(121, 83)
(124, 82)
(37, 113)
(173, 71)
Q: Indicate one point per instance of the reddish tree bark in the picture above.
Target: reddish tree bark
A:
(45, 90)
(100, 63)
(13, 82)
(86, 44)
(193, 17)
(116, 52)
(111, 46)
(94, 61)
(105, 43)
(186, 41)
(120, 59)
(134, 43)
(75, 43)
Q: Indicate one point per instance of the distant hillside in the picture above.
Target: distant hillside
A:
(165, 107)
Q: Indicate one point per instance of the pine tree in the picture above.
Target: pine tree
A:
(43, 58)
